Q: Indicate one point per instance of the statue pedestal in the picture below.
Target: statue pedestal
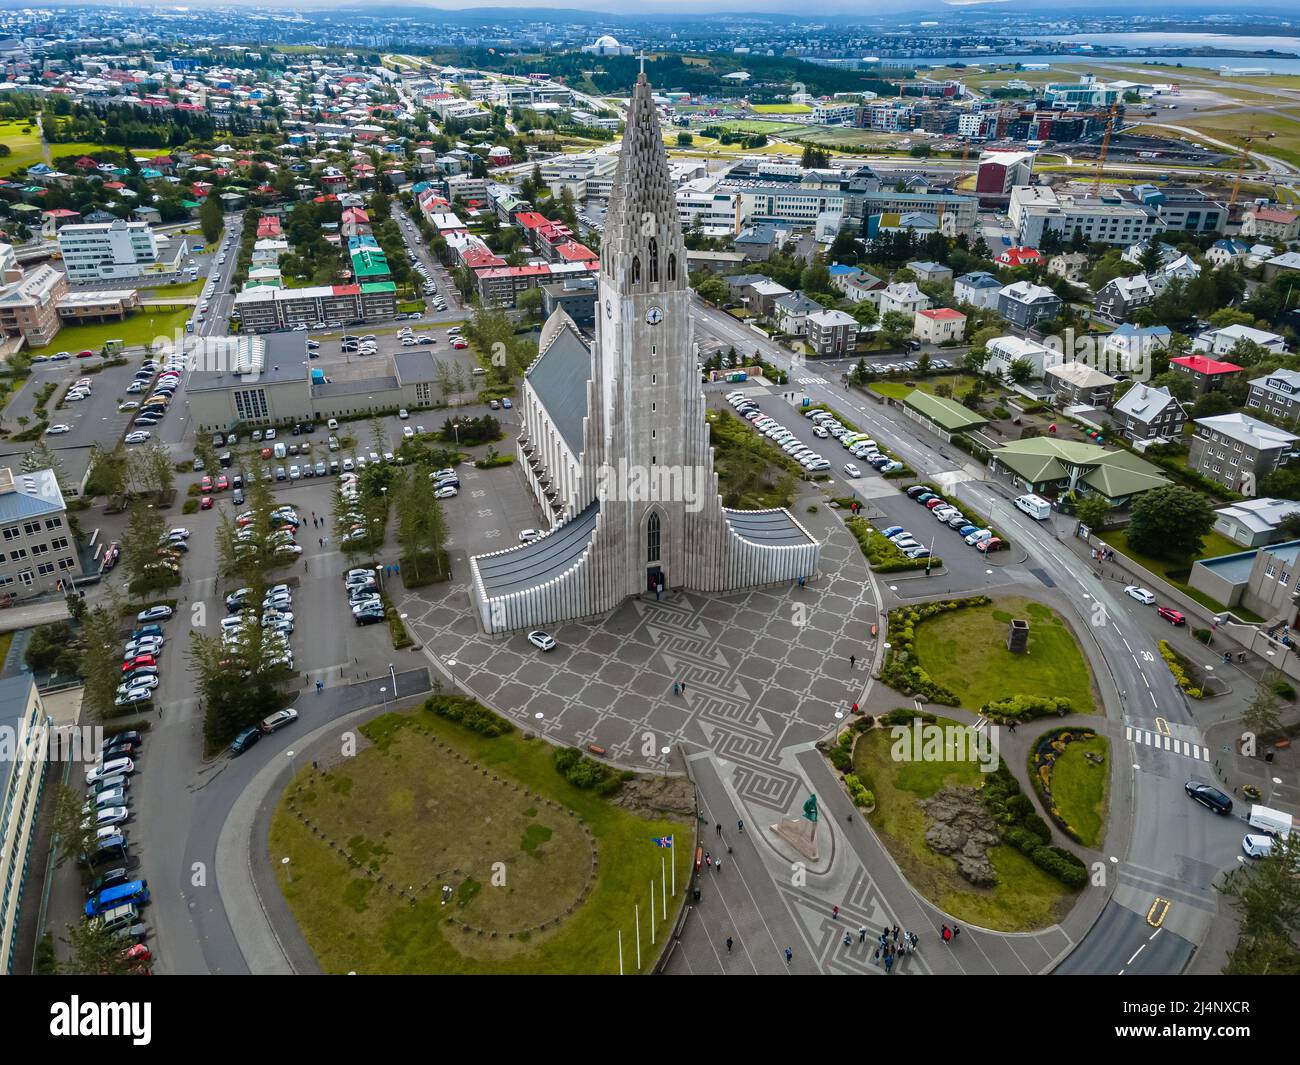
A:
(801, 834)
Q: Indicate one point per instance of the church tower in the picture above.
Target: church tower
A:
(648, 440)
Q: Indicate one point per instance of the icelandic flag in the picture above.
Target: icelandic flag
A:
(662, 841)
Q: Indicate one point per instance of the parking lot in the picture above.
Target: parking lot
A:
(95, 418)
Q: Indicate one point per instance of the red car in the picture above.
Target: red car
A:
(930, 504)
(137, 662)
(205, 503)
(266, 452)
(85, 354)
(1174, 617)
(991, 544)
(206, 484)
(222, 483)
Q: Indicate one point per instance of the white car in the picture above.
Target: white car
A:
(279, 719)
(408, 433)
(1143, 596)
(445, 493)
(56, 430)
(529, 535)
(139, 436)
(543, 641)
(851, 470)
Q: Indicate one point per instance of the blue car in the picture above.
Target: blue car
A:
(891, 531)
(966, 530)
(146, 630)
(924, 497)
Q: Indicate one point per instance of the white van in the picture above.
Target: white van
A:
(333, 423)
(1274, 822)
(1035, 506)
(280, 450)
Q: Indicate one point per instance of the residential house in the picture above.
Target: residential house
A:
(1146, 413)
(1226, 251)
(926, 271)
(831, 332)
(980, 289)
(865, 286)
(792, 311)
(1209, 375)
(1121, 296)
(1026, 304)
(1223, 341)
(1069, 266)
(1237, 450)
(1287, 262)
(1271, 223)
(1276, 394)
(761, 296)
(1130, 348)
(1254, 522)
(1004, 351)
(939, 325)
(1049, 465)
(1020, 256)
(1076, 384)
(903, 296)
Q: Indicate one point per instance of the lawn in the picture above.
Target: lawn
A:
(430, 803)
(1025, 898)
(780, 109)
(185, 288)
(138, 328)
(24, 148)
(1079, 788)
(966, 652)
(959, 383)
(753, 473)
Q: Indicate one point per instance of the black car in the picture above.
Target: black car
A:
(121, 737)
(1208, 796)
(111, 878)
(369, 617)
(120, 750)
(245, 740)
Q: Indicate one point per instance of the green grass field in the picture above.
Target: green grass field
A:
(24, 148)
(138, 328)
(421, 808)
(1025, 897)
(187, 288)
(966, 652)
(1079, 788)
(780, 109)
(959, 383)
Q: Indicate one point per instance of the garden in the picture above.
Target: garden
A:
(452, 844)
(1070, 771)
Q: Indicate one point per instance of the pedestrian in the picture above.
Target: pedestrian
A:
(889, 962)
(728, 944)
(320, 540)
(717, 864)
(1011, 727)
(946, 932)
(740, 826)
(320, 686)
(855, 708)
(862, 934)
(955, 931)
(915, 940)
(683, 687)
(895, 935)
(708, 859)
(853, 661)
(835, 913)
(677, 688)
(789, 955)
(719, 828)
(848, 940)
(876, 954)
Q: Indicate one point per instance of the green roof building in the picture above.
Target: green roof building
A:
(946, 417)
(370, 264)
(1044, 464)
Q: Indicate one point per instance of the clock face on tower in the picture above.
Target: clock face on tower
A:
(654, 316)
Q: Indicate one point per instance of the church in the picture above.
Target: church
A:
(614, 442)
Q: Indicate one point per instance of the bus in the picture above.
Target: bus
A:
(135, 891)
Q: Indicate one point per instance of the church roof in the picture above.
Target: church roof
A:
(535, 563)
(770, 527)
(559, 376)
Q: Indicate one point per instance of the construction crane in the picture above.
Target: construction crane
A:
(962, 170)
(1105, 147)
(1241, 164)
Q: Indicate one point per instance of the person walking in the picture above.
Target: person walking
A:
(683, 687)
(915, 940)
(862, 934)
(728, 944)
(955, 932)
(889, 961)
(717, 864)
(853, 661)
(855, 708)
(719, 828)
(848, 940)
(789, 955)
(835, 913)
(946, 932)
(320, 686)
(708, 859)
(740, 826)
(677, 688)
(1011, 727)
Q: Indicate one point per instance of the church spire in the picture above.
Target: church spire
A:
(642, 250)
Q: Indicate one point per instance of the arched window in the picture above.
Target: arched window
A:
(652, 538)
(654, 261)
(636, 270)
(672, 268)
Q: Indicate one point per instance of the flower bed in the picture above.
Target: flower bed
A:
(1182, 671)
(901, 670)
(1042, 762)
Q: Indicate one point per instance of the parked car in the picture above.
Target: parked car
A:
(245, 740)
(1142, 595)
(1208, 796)
(279, 719)
(1174, 617)
(543, 641)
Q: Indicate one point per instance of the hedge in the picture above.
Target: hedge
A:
(1026, 707)
(1021, 827)
(1179, 667)
(587, 773)
(469, 714)
(900, 670)
(881, 555)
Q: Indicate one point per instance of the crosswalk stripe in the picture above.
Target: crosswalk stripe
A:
(1146, 738)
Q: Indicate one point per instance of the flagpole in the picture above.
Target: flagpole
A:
(652, 911)
(620, 952)
(663, 885)
(637, 907)
(673, 848)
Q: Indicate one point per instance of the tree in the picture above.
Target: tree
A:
(144, 532)
(684, 140)
(815, 158)
(238, 683)
(1180, 386)
(210, 220)
(895, 327)
(1169, 522)
(108, 471)
(1094, 511)
(1266, 897)
(421, 524)
(530, 302)
(1020, 371)
(95, 951)
(69, 822)
(865, 313)
(713, 289)
(101, 657)
(40, 457)
(1263, 714)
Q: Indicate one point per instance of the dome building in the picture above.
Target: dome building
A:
(607, 45)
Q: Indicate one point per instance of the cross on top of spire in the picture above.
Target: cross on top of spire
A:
(642, 58)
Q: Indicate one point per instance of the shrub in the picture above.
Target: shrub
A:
(1060, 863)
(469, 714)
(190, 506)
(840, 759)
(1182, 671)
(587, 773)
(1203, 635)
(1026, 707)
(858, 792)
(1284, 689)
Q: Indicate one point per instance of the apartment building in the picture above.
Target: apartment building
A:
(266, 309)
(940, 325)
(999, 173)
(22, 783)
(29, 303)
(36, 543)
(110, 250)
(1145, 413)
(1035, 210)
(1271, 223)
(1025, 304)
(1076, 384)
(1237, 450)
